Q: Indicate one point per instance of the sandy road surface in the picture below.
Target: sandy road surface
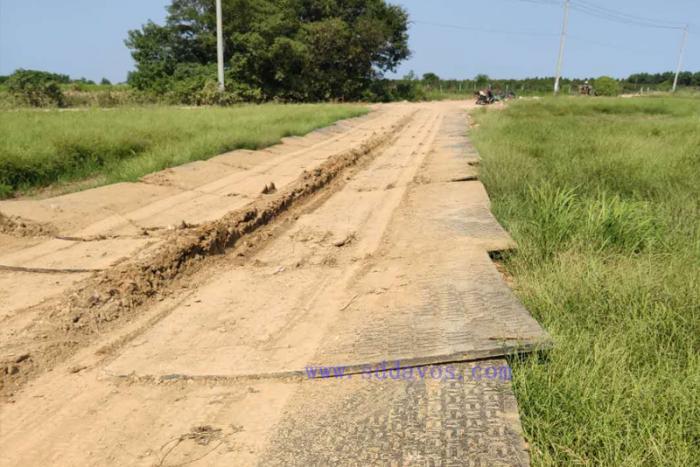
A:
(176, 321)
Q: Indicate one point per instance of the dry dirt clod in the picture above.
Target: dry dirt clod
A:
(203, 435)
(269, 189)
(22, 357)
(18, 227)
(345, 241)
(77, 369)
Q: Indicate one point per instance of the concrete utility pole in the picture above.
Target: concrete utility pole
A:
(680, 57)
(564, 29)
(220, 44)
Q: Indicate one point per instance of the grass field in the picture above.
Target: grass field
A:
(603, 198)
(40, 148)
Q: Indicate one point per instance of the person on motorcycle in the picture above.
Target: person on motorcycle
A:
(586, 89)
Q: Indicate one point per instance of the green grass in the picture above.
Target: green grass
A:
(40, 148)
(603, 198)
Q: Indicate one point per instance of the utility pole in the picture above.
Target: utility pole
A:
(220, 44)
(564, 29)
(680, 57)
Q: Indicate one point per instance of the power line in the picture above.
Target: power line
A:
(489, 30)
(613, 46)
(539, 2)
(609, 14)
(539, 34)
(626, 15)
(623, 18)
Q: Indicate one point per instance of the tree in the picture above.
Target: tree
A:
(685, 78)
(696, 79)
(606, 86)
(288, 49)
(431, 79)
(482, 80)
(105, 82)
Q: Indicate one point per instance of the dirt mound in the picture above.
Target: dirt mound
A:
(19, 227)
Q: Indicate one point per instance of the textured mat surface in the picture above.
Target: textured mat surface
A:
(397, 418)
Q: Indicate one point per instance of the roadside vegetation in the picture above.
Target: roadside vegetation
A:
(602, 196)
(30, 88)
(41, 148)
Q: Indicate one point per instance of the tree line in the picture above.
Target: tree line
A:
(543, 85)
(44, 89)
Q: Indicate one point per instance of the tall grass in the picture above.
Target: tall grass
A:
(39, 148)
(603, 198)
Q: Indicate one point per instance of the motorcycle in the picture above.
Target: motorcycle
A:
(488, 97)
(484, 98)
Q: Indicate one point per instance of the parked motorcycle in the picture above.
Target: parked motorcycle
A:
(484, 97)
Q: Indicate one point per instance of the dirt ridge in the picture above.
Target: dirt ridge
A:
(130, 284)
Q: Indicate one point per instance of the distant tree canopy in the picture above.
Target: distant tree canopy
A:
(482, 80)
(431, 79)
(685, 78)
(639, 82)
(286, 49)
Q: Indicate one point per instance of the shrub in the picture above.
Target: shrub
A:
(194, 84)
(111, 98)
(385, 90)
(606, 86)
(36, 88)
(79, 86)
(5, 191)
(7, 101)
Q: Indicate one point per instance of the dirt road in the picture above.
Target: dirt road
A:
(191, 318)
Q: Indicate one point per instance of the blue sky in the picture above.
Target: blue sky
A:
(503, 38)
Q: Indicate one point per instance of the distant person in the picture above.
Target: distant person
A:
(586, 88)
